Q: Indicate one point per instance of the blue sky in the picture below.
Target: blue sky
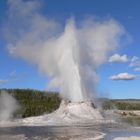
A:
(17, 73)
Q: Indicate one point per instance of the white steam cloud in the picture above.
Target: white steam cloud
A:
(8, 106)
(69, 55)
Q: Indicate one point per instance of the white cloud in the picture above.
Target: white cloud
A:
(118, 58)
(123, 76)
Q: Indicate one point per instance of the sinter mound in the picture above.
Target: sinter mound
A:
(68, 113)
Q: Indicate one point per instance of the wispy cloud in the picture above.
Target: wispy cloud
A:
(13, 73)
(137, 69)
(118, 58)
(123, 76)
(12, 77)
(130, 17)
(135, 62)
(3, 81)
(134, 58)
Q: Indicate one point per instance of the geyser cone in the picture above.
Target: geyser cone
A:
(78, 111)
(69, 113)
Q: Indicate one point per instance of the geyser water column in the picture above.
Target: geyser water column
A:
(69, 78)
(68, 54)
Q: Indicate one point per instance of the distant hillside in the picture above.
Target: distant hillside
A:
(128, 100)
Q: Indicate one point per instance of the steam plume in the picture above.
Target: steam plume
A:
(69, 55)
(8, 106)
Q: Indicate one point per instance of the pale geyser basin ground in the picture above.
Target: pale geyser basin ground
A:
(18, 130)
(56, 126)
(94, 132)
(68, 123)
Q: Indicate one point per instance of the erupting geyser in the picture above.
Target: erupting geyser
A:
(68, 55)
(71, 58)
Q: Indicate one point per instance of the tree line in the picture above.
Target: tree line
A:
(34, 102)
(121, 104)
